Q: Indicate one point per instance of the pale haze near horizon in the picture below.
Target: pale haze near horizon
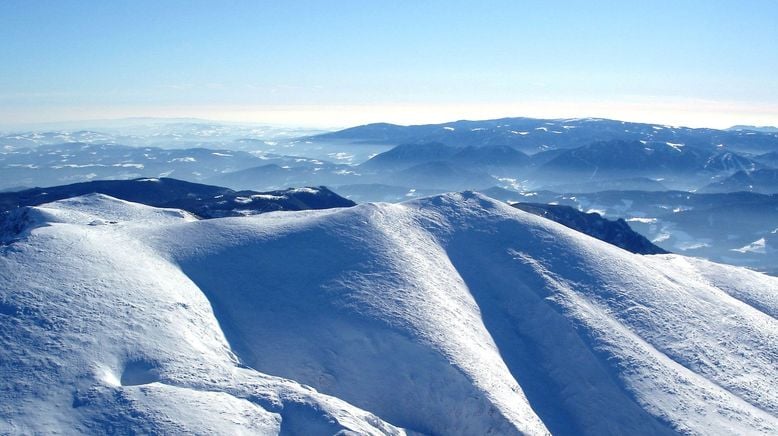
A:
(699, 64)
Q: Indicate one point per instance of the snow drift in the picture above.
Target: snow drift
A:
(453, 314)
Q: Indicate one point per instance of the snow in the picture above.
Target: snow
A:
(341, 156)
(642, 220)
(304, 190)
(129, 165)
(131, 343)
(759, 246)
(514, 184)
(679, 239)
(453, 314)
(676, 146)
(268, 197)
(251, 198)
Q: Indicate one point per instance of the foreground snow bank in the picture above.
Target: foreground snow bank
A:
(453, 314)
(99, 333)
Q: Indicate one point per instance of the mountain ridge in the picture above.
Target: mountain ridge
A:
(531, 135)
(205, 201)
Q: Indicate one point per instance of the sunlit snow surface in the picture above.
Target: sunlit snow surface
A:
(453, 314)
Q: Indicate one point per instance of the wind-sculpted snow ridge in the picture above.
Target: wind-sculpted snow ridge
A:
(453, 314)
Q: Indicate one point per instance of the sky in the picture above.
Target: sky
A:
(340, 63)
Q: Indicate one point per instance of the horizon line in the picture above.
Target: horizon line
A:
(700, 114)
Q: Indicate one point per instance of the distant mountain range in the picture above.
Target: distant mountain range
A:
(761, 129)
(48, 165)
(616, 164)
(531, 135)
(676, 165)
(151, 132)
(516, 153)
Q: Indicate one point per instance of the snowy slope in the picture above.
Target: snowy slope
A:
(101, 334)
(454, 314)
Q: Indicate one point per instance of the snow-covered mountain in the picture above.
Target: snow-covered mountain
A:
(453, 314)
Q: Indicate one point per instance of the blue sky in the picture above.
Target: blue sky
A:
(346, 62)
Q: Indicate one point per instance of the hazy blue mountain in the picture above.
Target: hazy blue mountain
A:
(263, 175)
(761, 129)
(407, 155)
(763, 181)
(491, 156)
(628, 158)
(601, 165)
(628, 184)
(726, 161)
(542, 157)
(374, 132)
(769, 159)
(278, 176)
(441, 175)
(675, 165)
(34, 139)
(155, 132)
(532, 135)
(434, 166)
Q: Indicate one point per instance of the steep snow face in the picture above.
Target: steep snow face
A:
(453, 314)
(364, 306)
